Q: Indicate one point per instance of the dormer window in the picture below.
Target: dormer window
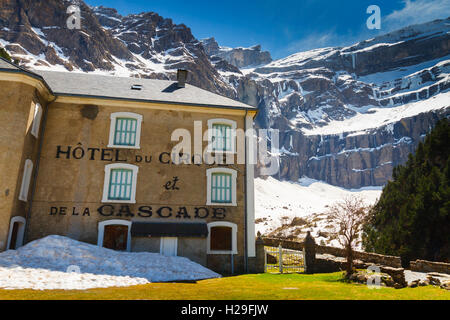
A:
(136, 87)
(36, 120)
(125, 130)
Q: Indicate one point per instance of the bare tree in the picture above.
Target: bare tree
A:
(348, 218)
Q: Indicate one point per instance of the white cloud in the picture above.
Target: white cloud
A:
(415, 12)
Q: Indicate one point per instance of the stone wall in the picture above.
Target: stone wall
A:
(385, 260)
(429, 266)
(391, 261)
(256, 264)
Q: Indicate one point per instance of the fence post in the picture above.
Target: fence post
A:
(310, 253)
(265, 261)
(280, 252)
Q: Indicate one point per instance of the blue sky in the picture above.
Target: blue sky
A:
(285, 27)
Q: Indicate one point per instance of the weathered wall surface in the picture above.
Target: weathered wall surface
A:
(70, 183)
(16, 145)
(193, 248)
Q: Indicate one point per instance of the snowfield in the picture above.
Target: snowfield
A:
(374, 117)
(277, 203)
(57, 262)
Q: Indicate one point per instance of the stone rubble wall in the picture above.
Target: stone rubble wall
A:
(430, 266)
(391, 261)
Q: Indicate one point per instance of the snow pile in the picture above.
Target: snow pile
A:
(57, 262)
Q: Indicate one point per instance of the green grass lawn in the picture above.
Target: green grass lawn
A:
(254, 286)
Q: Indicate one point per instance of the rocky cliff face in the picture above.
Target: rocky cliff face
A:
(346, 115)
(141, 45)
(238, 57)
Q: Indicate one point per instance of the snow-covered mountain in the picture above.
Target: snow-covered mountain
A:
(346, 115)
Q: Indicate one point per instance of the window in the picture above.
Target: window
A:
(120, 183)
(125, 130)
(222, 135)
(16, 232)
(26, 179)
(136, 87)
(222, 238)
(221, 186)
(114, 234)
(36, 120)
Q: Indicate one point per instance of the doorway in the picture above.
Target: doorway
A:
(115, 237)
(114, 234)
(169, 246)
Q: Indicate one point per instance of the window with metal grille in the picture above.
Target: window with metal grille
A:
(221, 238)
(120, 184)
(221, 188)
(221, 138)
(26, 180)
(125, 134)
(36, 120)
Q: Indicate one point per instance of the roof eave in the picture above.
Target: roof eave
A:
(85, 96)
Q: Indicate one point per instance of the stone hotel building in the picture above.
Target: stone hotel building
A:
(90, 157)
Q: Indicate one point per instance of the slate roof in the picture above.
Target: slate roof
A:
(113, 87)
(4, 64)
(164, 91)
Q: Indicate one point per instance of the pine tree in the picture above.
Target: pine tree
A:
(412, 217)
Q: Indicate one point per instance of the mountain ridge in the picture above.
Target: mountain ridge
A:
(346, 115)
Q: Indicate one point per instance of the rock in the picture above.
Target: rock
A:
(387, 280)
(440, 275)
(397, 274)
(414, 283)
(433, 280)
(238, 57)
(445, 285)
(423, 283)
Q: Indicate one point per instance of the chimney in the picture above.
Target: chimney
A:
(182, 77)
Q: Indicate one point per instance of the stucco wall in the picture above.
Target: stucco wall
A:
(16, 145)
(68, 200)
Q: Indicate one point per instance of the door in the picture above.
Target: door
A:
(115, 237)
(169, 246)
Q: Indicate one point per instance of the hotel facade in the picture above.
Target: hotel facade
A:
(91, 157)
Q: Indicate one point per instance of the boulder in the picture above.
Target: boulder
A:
(446, 285)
